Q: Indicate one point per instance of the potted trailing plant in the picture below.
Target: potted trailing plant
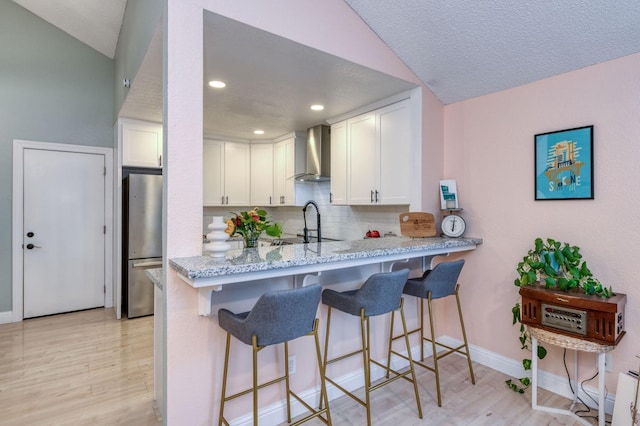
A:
(551, 264)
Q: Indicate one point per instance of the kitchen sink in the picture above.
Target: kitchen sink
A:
(298, 240)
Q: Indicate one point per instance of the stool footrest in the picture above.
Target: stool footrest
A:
(261, 386)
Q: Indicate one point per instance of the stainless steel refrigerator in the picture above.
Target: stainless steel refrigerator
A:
(142, 238)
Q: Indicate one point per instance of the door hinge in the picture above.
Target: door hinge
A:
(104, 171)
(104, 229)
(104, 289)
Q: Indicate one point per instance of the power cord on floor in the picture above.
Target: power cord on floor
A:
(580, 413)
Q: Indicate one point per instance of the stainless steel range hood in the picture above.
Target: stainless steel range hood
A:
(318, 167)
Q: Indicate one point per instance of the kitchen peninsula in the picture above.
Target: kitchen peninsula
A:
(301, 261)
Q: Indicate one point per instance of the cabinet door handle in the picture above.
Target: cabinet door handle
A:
(269, 199)
(372, 195)
(227, 199)
(160, 160)
(331, 197)
(222, 200)
(377, 200)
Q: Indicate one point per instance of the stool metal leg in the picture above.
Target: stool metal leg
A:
(254, 344)
(286, 380)
(221, 419)
(324, 398)
(421, 329)
(364, 332)
(411, 366)
(435, 350)
(464, 337)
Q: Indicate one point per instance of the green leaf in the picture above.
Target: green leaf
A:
(584, 270)
(526, 364)
(566, 251)
(274, 230)
(516, 313)
(563, 283)
(559, 257)
(549, 270)
(525, 381)
(549, 282)
(531, 277)
(539, 245)
(542, 352)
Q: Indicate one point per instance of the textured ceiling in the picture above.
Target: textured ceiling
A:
(94, 22)
(271, 83)
(460, 49)
(466, 48)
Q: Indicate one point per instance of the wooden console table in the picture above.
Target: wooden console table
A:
(567, 342)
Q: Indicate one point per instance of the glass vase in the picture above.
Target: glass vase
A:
(250, 241)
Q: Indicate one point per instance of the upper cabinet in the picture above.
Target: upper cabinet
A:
(376, 147)
(262, 171)
(141, 143)
(289, 159)
(226, 173)
(393, 128)
(338, 195)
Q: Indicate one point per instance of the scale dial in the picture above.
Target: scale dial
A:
(453, 226)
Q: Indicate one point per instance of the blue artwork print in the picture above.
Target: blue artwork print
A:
(564, 164)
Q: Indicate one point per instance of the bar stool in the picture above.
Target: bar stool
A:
(380, 294)
(441, 281)
(277, 317)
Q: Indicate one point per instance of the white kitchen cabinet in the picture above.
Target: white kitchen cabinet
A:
(141, 143)
(363, 159)
(212, 173)
(393, 127)
(338, 195)
(237, 172)
(226, 172)
(289, 159)
(379, 156)
(262, 170)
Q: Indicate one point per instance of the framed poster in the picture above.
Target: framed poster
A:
(564, 164)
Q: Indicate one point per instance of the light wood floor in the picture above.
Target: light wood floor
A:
(87, 368)
(488, 402)
(82, 368)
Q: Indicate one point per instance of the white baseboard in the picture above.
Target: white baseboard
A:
(6, 317)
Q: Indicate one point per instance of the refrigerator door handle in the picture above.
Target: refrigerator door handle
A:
(147, 264)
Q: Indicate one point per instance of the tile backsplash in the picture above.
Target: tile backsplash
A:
(338, 222)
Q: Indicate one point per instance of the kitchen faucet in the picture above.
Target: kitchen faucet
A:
(304, 215)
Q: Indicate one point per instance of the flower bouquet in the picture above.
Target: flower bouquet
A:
(251, 225)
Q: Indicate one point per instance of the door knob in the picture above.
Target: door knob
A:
(32, 246)
(30, 234)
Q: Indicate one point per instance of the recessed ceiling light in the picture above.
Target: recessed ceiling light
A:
(258, 132)
(217, 84)
(317, 107)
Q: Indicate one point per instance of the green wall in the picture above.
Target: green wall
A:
(140, 22)
(53, 88)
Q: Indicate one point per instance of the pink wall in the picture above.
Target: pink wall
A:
(488, 148)
(194, 344)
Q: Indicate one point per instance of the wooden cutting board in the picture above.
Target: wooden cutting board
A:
(417, 224)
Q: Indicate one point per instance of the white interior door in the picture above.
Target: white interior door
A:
(63, 231)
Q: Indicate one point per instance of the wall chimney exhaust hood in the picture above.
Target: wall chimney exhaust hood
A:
(318, 166)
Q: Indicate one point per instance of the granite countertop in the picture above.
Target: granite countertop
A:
(280, 257)
(155, 275)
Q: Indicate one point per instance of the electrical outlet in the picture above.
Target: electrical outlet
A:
(292, 364)
(608, 365)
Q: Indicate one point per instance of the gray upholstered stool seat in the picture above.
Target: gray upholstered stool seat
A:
(380, 294)
(440, 282)
(277, 317)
